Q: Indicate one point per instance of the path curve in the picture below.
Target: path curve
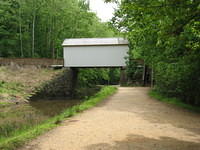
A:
(129, 120)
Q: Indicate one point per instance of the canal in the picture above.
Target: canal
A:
(14, 117)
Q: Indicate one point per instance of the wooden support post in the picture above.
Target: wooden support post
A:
(144, 77)
(123, 76)
(152, 77)
(74, 78)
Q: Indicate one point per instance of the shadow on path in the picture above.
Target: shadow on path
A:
(138, 142)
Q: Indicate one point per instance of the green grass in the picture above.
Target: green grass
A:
(4, 103)
(21, 136)
(173, 101)
(12, 89)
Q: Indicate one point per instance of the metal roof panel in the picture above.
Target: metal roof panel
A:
(94, 41)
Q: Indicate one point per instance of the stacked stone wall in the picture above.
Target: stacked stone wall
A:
(58, 87)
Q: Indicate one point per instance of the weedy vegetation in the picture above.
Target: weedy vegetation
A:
(173, 100)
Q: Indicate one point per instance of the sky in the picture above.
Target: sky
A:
(104, 10)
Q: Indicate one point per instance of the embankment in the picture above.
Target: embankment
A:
(19, 84)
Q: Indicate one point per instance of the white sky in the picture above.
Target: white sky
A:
(104, 10)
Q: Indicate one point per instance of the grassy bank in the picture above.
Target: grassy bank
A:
(17, 84)
(173, 101)
(21, 136)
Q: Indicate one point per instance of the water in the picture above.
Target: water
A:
(51, 108)
(18, 116)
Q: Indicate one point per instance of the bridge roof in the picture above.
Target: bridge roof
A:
(94, 41)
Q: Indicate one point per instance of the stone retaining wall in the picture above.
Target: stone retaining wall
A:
(58, 87)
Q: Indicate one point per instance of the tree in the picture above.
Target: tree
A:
(37, 28)
(165, 34)
(8, 27)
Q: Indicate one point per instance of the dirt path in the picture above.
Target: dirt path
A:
(129, 120)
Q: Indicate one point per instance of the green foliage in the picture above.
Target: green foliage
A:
(114, 75)
(165, 34)
(37, 28)
(94, 76)
(134, 72)
(174, 101)
(8, 26)
(90, 77)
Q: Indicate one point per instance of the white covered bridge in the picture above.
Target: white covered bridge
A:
(95, 52)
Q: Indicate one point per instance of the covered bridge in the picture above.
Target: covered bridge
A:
(95, 52)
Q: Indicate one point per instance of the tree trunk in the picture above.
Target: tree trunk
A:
(123, 76)
(144, 77)
(53, 37)
(20, 31)
(33, 35)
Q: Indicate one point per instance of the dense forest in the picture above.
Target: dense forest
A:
(37, 28)
(166, 35)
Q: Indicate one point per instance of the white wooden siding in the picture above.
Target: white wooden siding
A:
(95, 56)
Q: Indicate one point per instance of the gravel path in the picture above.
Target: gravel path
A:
(129, 120)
